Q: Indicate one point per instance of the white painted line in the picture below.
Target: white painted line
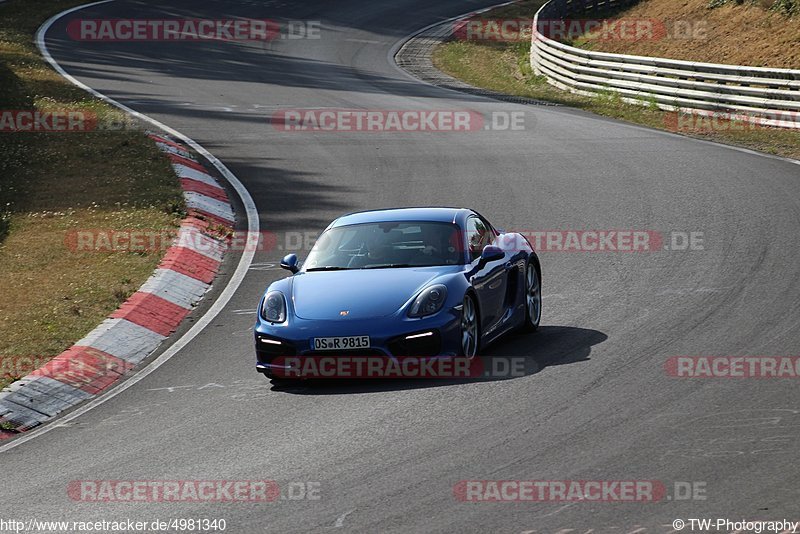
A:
(365, 41)
(266, 266)
(340, 520)
(557, 510)
(236, 278)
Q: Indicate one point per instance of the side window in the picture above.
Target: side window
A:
(478, 235)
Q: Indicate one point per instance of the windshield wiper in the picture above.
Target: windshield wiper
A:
(328, 268)
(390, 266)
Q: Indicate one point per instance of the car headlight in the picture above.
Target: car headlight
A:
(273, 309)
(429, 301)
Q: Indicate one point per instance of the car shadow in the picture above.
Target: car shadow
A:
(514, 357)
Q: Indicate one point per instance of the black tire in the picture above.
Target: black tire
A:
(470, 326)
(533, 297)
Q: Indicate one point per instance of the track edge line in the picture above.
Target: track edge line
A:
(227, 293)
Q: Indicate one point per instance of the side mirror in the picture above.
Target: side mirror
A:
(289, 262)
(491, 253)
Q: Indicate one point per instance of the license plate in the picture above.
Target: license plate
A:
(341, 343)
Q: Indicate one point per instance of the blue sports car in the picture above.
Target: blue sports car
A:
(394, 283)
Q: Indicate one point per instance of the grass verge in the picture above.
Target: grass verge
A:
(55, 182)
(505, 67)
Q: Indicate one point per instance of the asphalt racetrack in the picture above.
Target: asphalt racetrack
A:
(595, 403)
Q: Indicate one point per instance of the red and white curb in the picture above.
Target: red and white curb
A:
(147, 318)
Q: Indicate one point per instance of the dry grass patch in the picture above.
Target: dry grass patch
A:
(734, 33)
(51, 183)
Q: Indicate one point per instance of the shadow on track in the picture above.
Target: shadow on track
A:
(515, 357)
(278, 62)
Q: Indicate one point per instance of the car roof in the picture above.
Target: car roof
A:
(450, 215)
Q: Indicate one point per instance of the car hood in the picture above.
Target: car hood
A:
(362, 293)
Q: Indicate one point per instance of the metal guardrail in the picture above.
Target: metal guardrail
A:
(764, 95)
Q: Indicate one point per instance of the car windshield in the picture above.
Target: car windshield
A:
(386, 245)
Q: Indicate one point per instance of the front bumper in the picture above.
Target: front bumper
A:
(391, 337)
